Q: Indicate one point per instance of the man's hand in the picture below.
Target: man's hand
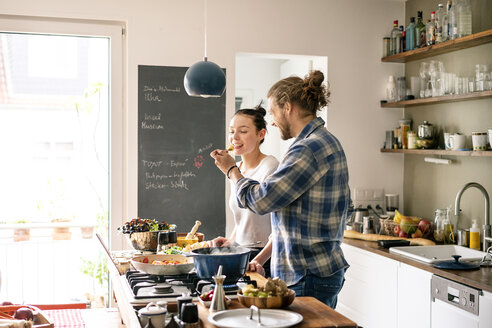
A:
(221, 242)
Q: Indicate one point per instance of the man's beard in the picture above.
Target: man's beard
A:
(285, 132)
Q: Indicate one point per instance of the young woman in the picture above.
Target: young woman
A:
(246, 133)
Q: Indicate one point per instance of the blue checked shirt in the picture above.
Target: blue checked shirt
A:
(309, 197)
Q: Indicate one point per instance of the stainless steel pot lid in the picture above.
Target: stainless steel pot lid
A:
(241, 318)
(456, 264)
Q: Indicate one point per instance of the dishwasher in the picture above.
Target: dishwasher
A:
(454, 305)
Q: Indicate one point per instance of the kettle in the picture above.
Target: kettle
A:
(426, 131)
(358, 214)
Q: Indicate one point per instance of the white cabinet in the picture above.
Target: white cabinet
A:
(380, 292)
(485, 310)
(369, 294)
(414, 297)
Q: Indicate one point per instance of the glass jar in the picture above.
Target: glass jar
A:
(412, 138)
(440, 221)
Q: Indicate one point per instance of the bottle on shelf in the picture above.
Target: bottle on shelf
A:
(410, 35)
(430, 28)
(464, 18)
(391, 89)
(440, 14)
(402, 39)
(420, 32)
(394, 34)
(474, 235)
(452, 20)
(446, 28)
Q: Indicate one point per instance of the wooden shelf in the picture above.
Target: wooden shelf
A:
(438, 100)
(439, 152)
(441, 48)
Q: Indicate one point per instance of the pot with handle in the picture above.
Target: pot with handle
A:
(234, 261)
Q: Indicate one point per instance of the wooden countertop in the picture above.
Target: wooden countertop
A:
(480, 279)
(315, 314)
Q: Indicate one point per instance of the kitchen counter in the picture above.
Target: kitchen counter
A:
(315, 313)
(480, 279)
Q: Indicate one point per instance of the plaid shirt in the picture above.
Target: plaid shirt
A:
(309, 197)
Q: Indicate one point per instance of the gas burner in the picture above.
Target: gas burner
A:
(163, 289)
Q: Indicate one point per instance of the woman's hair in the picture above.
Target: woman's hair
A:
(308, 93)
(257, 114)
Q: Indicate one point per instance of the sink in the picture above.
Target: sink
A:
(431, 254)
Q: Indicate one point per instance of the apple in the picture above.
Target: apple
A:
(397, 230)
(424, 226)
(24, 313)
(402, 234)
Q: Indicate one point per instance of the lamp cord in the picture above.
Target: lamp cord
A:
(205, 22)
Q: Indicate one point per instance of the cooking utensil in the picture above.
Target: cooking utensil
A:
(234, 261)
(359, 213)
(456, 264)
(107, 251)
(245, 318)
(191, 234)
(393, 243)
(163, 269)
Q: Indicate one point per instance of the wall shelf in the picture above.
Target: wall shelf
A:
(438, 100)
(469, 41)
(439, 152)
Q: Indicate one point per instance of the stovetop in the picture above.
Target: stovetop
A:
(142, 288)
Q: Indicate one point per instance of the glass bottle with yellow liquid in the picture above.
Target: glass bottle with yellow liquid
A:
(443, 229)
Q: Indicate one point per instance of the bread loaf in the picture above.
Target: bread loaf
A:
(374, 237)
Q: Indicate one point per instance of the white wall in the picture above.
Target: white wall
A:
(348, 32)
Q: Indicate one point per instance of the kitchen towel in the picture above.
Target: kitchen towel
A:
(68, 318)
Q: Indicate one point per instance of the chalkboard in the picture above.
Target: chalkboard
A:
(178, 181)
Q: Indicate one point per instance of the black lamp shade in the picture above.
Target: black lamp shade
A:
(205, 79)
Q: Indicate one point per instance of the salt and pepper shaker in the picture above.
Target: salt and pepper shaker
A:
(189, 316)
(219, 295)
(183, 299)
(162, 241)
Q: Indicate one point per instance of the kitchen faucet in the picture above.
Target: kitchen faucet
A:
(486, 234)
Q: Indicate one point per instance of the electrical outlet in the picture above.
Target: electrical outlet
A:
(362, 197)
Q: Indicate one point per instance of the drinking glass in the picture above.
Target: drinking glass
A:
(424, 78)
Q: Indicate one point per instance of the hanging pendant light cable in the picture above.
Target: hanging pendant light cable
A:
(205, 38)
(205, 78)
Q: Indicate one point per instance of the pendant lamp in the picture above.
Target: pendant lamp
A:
(205, 78)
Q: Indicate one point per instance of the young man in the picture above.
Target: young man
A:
(308, 193)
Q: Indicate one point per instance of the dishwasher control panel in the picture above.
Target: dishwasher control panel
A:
(456, 294)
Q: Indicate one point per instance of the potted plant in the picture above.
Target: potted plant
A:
(21, 233)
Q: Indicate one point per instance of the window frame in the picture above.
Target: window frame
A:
(114, 30)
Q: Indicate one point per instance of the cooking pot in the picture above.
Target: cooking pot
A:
(234, 261)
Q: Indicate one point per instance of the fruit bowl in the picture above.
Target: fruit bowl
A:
(391, 228)
(271, 302)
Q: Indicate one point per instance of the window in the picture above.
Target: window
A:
(60, 133)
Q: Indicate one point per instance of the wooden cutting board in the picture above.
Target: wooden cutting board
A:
(315, 314)
(375, 237)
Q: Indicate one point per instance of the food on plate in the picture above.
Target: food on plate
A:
(174, 250)
(207, 296)
(273, 287)
(143, 225)
(202, 244)
(183, 242)
(165, 262)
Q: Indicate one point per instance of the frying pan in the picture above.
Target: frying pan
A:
(158, 269)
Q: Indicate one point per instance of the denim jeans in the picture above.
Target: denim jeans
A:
(324, 289)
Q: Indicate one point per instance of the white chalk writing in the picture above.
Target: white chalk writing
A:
(205, 148)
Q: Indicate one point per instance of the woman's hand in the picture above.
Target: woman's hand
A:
(254, 266)
(223, 160)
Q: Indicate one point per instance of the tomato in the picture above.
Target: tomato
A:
(145, 260)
